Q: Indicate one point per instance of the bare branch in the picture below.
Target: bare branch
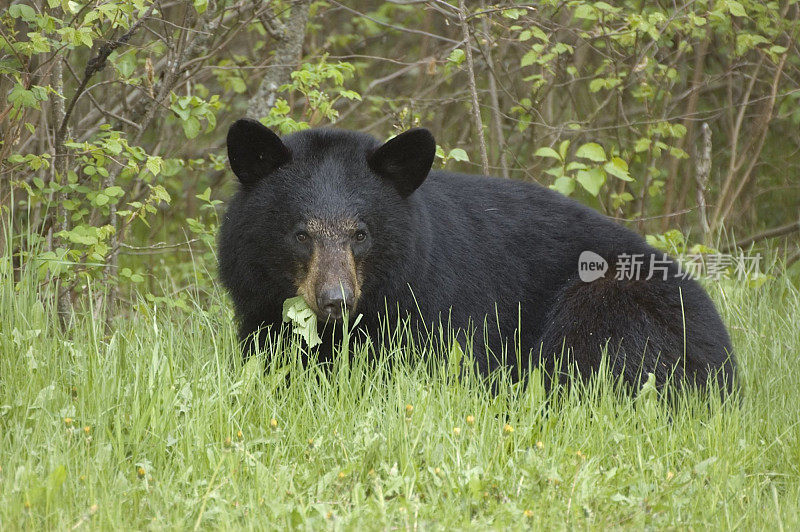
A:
(775, 232)
(476, 110)
(394, 27)
(754, 155)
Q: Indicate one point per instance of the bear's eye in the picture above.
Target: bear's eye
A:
(302, 237)
(361, 235)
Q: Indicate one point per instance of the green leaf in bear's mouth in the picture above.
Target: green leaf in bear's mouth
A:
(304, 321)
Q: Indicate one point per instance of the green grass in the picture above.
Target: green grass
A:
(165, 432)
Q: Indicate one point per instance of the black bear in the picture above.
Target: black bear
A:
(356, 225)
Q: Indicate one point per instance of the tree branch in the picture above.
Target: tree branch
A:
(476, 110)
(769, 233)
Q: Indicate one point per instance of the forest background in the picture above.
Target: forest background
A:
(681, 120)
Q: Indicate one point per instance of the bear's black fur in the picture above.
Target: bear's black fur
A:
(330, 208)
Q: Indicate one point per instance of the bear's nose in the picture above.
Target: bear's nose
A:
(332, 302)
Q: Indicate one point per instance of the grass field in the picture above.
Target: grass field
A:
(151, 426)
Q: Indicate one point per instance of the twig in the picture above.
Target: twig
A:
(125, 249)
(160, 245)
(476, 110)
(22, 63)
(656, 217)
(398, 28)
(764, 235)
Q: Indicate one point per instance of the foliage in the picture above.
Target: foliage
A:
(110, 126)
(302, 319)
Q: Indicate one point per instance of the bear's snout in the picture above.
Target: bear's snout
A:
(329, 280)
(333, 301)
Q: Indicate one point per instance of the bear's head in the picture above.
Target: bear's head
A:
(322, 212)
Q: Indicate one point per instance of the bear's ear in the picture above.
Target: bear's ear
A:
(254, 151)
(405, 160)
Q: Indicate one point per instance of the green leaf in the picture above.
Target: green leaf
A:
(643, 144)
(101, 199)
(125, 63)
(564, 184)
(678, 153)
(592, 151)
(154, 164)
(556, 171)
(592, 180)
(736, 9)
(457, 56)
(182, 113)
(529, 58)
(160, 193)
(191, 127)
(539, 34)
(205, 196)
(303, 320)
(748, 41)
(618, 168)
(114, 191)
(585, 11)
(562, 149)
(114, 146)
(547, 152)
(21, 97)
(350, 95)
(575, 165)
(457, 154)
(454, 359)
(85, 36)
(513, 14)
(22, 11)
(597, 84)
